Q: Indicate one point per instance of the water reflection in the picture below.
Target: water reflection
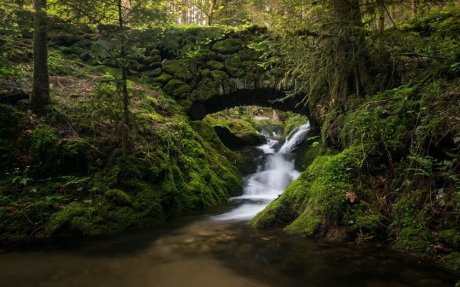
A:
(209, 253)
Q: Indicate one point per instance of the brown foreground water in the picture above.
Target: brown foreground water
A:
(207, 253)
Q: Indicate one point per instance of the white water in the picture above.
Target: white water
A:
(273, 175)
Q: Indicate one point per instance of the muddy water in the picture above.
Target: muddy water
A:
(207, 253)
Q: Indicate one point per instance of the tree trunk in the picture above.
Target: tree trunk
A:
(381, 11)
(414, 6)
(350, 55)
(124, 78)
(212, 9)
(184, 12)
(40, 91)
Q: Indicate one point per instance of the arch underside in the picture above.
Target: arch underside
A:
(264, 97)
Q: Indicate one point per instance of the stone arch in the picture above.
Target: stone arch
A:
(265, 97)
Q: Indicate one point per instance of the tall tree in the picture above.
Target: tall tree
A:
(124, 72)
(350, 54)
(40, 93)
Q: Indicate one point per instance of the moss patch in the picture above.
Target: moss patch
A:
(180, 69)
(451, 263)
(228, 46)
(316, 198)
(177, 89)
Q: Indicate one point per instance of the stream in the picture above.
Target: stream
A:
(217, 249)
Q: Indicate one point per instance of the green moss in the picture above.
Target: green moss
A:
(44, 150)
(228, 46)
(177, 89)
(415, 240)
(147, 201)
(410, 225)
(249, 55)
(74, 156)
(152, 59)
(205, 73)
(306, 224)
(313, 151)
(205, 90)
(163, 78)
(214, 65)
(12, 225)
(12, 123)
(451, 237)
(44, 142)
(219, 76)
(451, 263)
(154, 73)
(11, 120)
(316, 198)
(118, 197)
(74, 218)
(205, 55)
(180, 69)
(361, 218)
(234, 66)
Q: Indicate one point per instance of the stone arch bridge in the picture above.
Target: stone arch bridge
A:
(221, 74)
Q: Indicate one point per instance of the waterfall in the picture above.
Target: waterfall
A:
(295, 138)
(275, 172)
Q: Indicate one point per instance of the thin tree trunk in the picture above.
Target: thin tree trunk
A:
(184, 12)
(40, 91)
(381, 12)
(414, 7)
(212, 8)
(124, 78)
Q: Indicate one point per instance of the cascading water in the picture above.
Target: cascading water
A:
(273, 175)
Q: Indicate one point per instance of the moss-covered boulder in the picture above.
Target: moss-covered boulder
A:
(316, 199)
(181, 69)
(215, 65)
(219, 76)
(154, 73)
(152, 59)
(44, 151)
(118, 197)
(451, 263)
(228, 46)
(249, 55)
(205, 55)
(72, 219)
(163, 78)
(451, 237)
(234, 66)
(206, 89)
(177, 89)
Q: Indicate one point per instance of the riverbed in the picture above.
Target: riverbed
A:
(208, 253)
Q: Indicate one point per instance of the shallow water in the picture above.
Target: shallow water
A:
(208, 253)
